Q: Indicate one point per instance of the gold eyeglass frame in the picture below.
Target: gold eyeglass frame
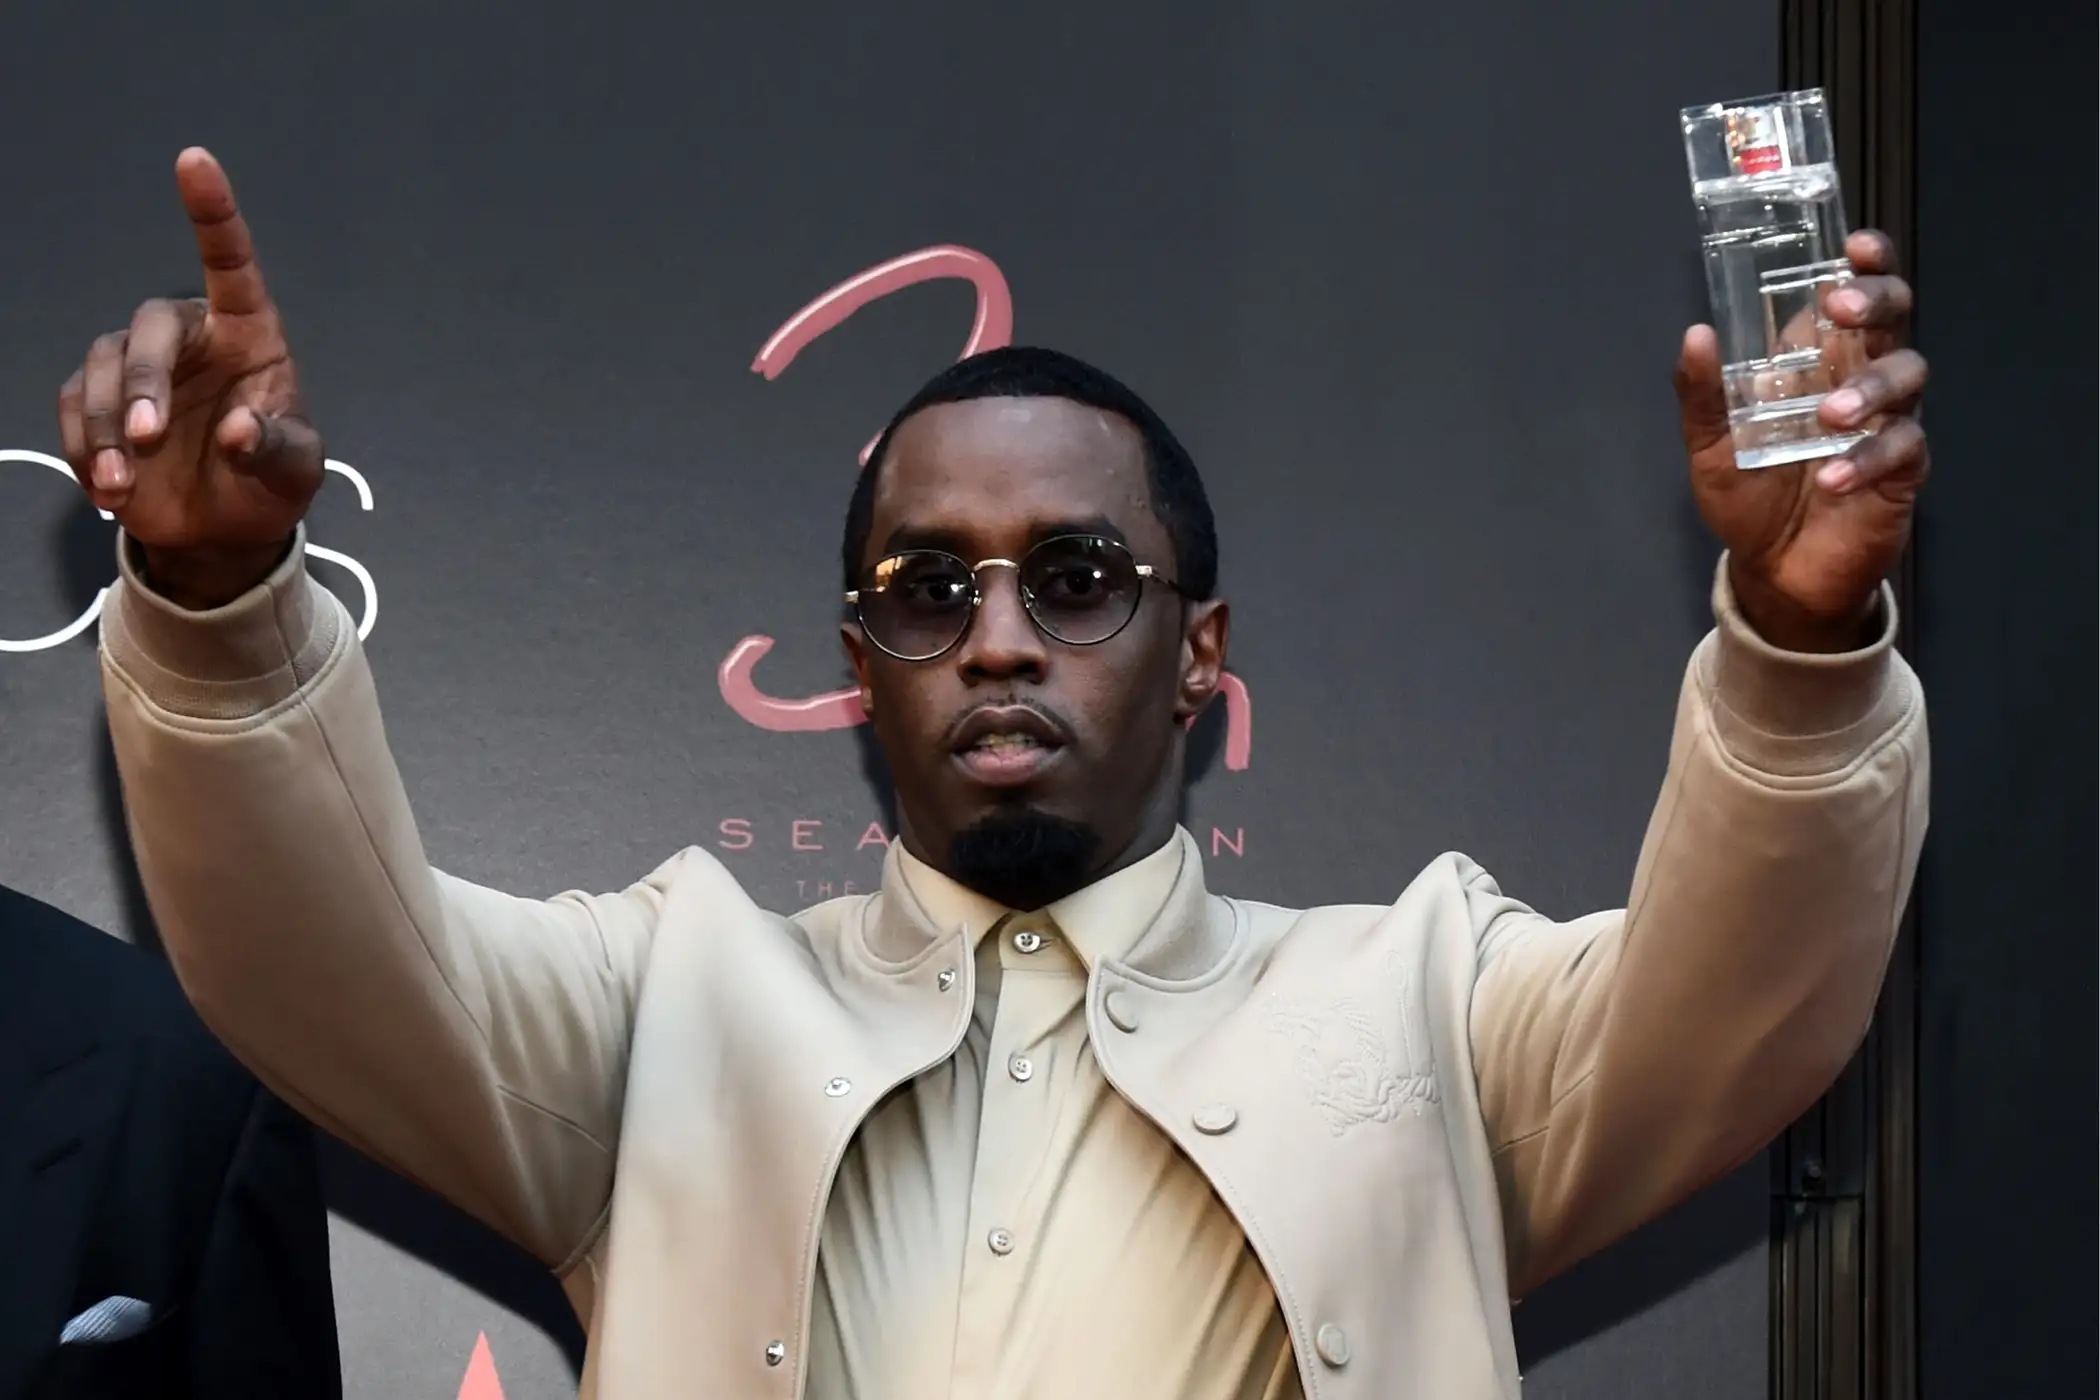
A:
(1145, 574)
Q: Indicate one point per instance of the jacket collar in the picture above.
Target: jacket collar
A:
(1151, 916)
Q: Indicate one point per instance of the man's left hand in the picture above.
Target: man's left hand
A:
(1809, 543)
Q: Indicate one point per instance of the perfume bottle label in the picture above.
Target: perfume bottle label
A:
(1757, 140)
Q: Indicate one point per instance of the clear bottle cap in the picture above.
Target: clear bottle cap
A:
(1758, 136)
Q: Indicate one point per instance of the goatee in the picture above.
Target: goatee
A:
(1023, 857)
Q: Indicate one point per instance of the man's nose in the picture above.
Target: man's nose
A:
(1002, 642)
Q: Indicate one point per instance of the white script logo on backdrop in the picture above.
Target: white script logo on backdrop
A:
(367, 617)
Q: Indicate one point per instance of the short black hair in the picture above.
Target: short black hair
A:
(1021, 371)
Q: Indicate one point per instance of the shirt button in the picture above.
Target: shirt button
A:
(1333, 1345)
(1121, 1014)
(1001, 1241)
(1028, 941)
(1021, 1068)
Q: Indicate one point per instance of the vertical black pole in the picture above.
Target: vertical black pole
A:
(1844, 1194)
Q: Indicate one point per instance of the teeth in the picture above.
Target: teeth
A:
(1006, 741)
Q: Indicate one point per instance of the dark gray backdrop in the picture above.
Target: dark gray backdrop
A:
(1408, 280)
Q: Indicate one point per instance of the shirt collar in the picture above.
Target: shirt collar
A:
(1101, 922)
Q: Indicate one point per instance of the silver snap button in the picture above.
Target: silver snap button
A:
(1000, 1241)
(776, 1352)
(1121, 1014)
(1028, 941)
(1333, 1345)
(1216, 1118)
(946, 979)
(1021, 1068)
(838, 1088)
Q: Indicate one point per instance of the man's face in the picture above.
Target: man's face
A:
(1010, 724)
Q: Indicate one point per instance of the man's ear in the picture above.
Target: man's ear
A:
(857, 655)
(1206, 628)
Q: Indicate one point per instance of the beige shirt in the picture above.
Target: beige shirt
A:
(1008, 1227)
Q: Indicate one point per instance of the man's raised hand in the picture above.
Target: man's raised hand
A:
(188, 426)
(1809, 543)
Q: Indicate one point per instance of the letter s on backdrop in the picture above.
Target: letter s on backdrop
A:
(369, 616)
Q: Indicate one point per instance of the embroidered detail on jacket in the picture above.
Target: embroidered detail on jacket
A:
(1344, 1066)
(1414, 1039)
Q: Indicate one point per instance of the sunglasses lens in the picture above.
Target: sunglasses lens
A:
(1081, 590)
(917, 603)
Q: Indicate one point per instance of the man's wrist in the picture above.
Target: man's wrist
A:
(1787, 626)
(194, 660)
(203, 579)
(1785, 710)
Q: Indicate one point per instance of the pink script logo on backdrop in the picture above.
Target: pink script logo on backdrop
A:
(840, 709)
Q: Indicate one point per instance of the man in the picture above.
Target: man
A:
(165, 1232)
(1042, 1117)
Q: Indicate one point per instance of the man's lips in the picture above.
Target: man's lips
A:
(1007, 745)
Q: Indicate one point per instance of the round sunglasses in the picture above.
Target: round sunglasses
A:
(1078, 589)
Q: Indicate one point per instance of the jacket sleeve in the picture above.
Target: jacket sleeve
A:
(260, 1319)
(472, 1041)
(1629, 1058)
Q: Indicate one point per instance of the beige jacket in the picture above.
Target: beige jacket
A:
(1427, 1107)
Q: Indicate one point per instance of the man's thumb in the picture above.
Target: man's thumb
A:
(280, 446)
(1702, 403)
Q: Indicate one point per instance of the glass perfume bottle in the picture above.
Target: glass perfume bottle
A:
(1772, 226)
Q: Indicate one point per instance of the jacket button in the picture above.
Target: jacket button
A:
(776, 1352)
(946, 979)
(1333, 1345)
(1215, 1118)
(838, 1088)
(1121, 1014)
